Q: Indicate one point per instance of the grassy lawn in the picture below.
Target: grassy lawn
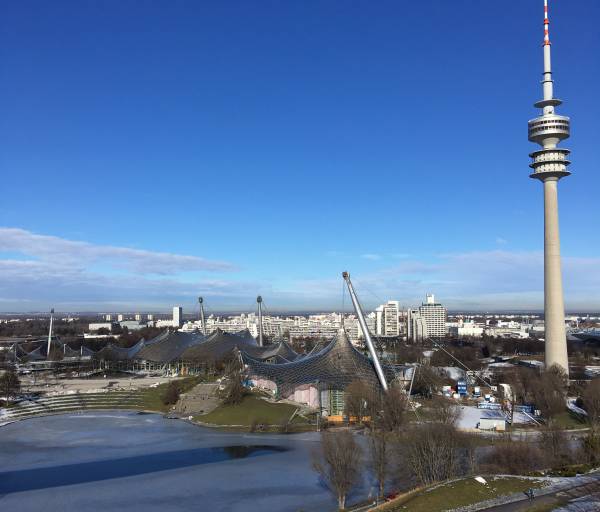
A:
(252, 409)
(568, 420)
(460, 493)
(152, 397)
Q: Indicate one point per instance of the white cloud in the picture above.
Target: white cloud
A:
(40, 270)
(79, 275)
(371, 257)
(44, 283)
(482, 280)
(69, 252)
(501, 241)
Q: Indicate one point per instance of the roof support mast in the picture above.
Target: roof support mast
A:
(365, 330)
(260, 323)
(50, 333)
(202, 319)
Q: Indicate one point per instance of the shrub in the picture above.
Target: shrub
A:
(514, 457)
(171, 394)
(257, 425)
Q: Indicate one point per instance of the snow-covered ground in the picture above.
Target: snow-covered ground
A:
(470, 416)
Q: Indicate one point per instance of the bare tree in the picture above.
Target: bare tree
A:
(445, 412)
(359, 400)
(379, 461)
(549, 393)
(556, 445)
(234, 391)
(9, 384)
(591, 403)
(338, 463)
(468, 444)
(431, 450)
(393, 409)
(514, 457)
(427, 381)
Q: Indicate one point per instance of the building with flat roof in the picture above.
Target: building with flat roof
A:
(177, 316)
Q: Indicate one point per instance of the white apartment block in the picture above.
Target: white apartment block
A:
(389, 319)
(415, 325)
(277, 327)
(429, 321)
(465, 328)
(435, 316)
(94, 327)
(177, 316)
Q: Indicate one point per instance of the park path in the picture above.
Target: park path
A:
(580, 497)
(201, 399)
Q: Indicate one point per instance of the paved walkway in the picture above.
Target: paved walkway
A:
(579, 494)
(202, 399)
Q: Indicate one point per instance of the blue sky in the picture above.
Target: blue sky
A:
(154, 151)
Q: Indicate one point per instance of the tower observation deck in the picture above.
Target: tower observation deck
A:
(549, 165)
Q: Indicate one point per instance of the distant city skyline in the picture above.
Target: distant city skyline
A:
(242, 149)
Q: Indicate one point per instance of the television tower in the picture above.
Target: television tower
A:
(550, 165)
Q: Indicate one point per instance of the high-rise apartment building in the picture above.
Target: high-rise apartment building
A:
(434, 316)
(177, 316)
(415, 326)
(388, 319)
(429, 321)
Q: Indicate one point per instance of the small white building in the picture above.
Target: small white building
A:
(95, 327)
(497, 423)
(131, 325)
(465, 328)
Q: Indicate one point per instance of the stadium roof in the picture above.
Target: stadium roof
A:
(116, 353)
(280, 352)
(218, 345)
(334, 367)
(168, 346)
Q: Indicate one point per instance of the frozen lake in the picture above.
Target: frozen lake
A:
(129, 461)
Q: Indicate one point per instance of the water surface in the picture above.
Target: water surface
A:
(130, 461)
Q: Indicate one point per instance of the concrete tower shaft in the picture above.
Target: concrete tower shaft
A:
(550, 165)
